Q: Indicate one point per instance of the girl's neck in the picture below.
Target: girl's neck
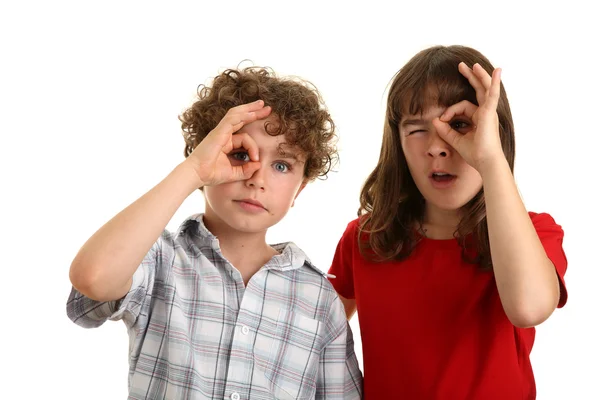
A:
(440, 224)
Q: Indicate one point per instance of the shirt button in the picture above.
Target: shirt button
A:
(235, 396)
(245, 330)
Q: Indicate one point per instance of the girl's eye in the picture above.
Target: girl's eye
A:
(417, 131)
(459, 125)
(241, 156)
(281, 167)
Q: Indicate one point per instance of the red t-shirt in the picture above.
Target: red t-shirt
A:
(432, 325)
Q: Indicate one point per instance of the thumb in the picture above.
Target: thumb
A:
(246, 170)
(448, 135)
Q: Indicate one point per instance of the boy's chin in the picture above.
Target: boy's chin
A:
(256, 224)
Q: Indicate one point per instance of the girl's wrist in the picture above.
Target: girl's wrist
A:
(492, 167)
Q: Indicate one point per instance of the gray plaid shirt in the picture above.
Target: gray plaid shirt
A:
(197, 332)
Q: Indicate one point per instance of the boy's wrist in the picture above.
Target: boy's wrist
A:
(185, 173)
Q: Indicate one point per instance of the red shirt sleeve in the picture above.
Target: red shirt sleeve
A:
(551, 235)
(342, 263)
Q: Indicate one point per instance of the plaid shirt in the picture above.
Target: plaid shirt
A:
(197, 332)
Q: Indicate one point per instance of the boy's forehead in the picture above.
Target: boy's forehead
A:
(277, 144)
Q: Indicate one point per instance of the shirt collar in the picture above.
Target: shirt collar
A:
(290, 256)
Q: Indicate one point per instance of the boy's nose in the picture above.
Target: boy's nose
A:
(257, 179)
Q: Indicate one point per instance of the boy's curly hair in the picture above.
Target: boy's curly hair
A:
(301, 113)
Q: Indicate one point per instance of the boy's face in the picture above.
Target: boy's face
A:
(255, 204)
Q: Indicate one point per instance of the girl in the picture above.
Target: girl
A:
(448, 271)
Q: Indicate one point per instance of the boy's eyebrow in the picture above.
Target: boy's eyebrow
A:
(287, 154)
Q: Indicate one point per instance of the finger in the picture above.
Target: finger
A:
(238, 116)
(263, 112)
(494, 92)
(247, 107)
(474, 81)
(249, 169)
(243, 140)
(464, 107)
(245, 171)
(233, 122)
(449, 135)
(254, 110)
(483, 75)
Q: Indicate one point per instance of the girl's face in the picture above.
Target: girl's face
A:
(442, 176)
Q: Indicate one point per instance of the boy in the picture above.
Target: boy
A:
(212, 310)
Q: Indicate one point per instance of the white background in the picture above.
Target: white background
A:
(89, 98)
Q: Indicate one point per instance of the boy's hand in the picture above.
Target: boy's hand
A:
(211, 159)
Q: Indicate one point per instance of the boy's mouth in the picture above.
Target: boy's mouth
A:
(251, 204)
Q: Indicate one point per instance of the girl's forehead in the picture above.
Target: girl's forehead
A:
(420, 100)
(429, 112)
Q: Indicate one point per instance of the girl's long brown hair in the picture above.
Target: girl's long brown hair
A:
(391, 206)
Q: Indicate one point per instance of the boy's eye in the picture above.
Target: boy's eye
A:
(281, 167)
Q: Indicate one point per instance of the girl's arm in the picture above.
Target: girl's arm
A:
(527, 281)
(349, 306)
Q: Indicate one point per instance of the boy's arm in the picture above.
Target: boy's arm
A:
(339, 376)
(104, 266)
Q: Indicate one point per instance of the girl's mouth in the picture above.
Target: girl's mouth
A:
(442, 180)
(442, 177)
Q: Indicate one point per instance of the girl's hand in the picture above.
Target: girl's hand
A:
(211, 159)
(481, 145)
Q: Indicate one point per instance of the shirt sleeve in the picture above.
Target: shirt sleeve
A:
(339, 376)
(341, 266)
(90, 313)
(551, 236)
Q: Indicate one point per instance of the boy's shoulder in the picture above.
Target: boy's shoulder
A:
(298, 260)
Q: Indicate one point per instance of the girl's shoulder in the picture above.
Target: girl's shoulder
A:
(543, 221)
